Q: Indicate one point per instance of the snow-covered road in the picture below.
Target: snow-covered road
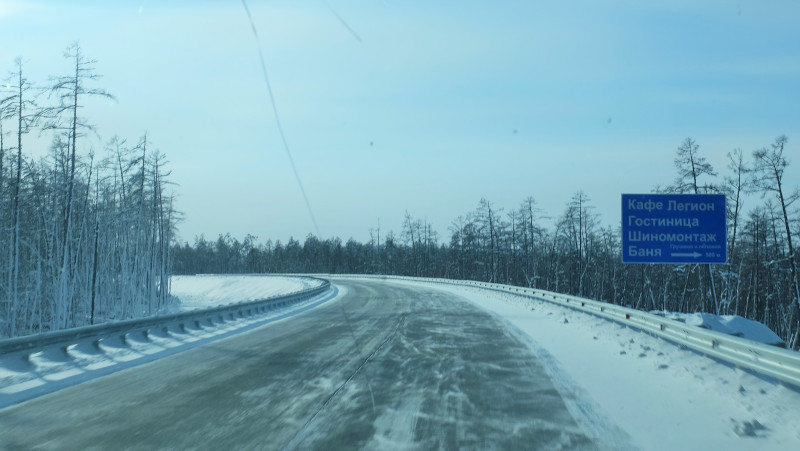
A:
(382, 367)
(408, 365)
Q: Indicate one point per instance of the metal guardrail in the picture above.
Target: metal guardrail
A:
(772, 361)
(781, 364)
(26, 345)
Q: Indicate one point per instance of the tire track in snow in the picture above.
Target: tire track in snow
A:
(302, 433)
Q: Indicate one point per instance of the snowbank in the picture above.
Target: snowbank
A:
(728, 324)
(200, 292)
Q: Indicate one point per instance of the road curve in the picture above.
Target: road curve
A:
(383, 367)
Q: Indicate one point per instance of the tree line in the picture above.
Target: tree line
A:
(575, 254)
(84, 238)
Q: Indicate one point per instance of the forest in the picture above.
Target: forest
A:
(84, 237)
(575, 253)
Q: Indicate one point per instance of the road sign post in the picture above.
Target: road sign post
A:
(674, 228)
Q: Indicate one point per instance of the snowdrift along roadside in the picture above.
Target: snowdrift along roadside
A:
(728, 324)
(204, 291)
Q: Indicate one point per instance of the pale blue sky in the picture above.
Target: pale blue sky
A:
(421, 114)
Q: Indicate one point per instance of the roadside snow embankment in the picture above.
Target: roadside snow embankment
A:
(206, 291)
(728, 324)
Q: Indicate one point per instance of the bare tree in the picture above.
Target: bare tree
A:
(71, 91)
(768, 172)
(20, 106)
(736, 185)
(530, 231)
(487, 217)
(691, 166)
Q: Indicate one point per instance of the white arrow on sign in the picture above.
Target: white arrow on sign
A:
(693, 254)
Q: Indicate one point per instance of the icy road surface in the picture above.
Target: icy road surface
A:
(385, 366)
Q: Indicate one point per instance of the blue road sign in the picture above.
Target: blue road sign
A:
(674, 228)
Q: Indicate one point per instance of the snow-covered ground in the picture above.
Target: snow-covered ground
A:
(52, 369)
(664, 397)
(204, 291)
(728, 324)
